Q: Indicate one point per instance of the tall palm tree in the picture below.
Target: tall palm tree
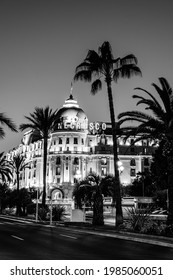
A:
(43, 122)
(5, 169)
(103, 65)
(4, 120)
(18, 164)
(158, 126)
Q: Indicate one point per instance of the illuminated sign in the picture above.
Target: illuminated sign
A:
(93, 127)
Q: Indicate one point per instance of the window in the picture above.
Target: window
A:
(58, 160)
(67, 149)
(82, 140)
(146, 161)
(35, 163)
(103, 171)
(132, 162)
(75, 180)
(58, 170)
(58, 180)
(132, 172)
(60, 149)
(91, 170)
(60, 141)
(75, 140)
(67, 140)
(76, 160)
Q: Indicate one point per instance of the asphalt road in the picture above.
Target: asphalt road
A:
(29, 241)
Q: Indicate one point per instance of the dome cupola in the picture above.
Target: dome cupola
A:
(71, 116)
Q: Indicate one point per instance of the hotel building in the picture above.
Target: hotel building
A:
(76, 148)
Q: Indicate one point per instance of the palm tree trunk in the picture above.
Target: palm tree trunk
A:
(18, 210)
(44, 171)
(117, 198)
(98, 219)
(170, 189)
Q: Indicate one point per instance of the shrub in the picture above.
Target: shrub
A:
(168, 231)
(58, 213)
(153, 227)
(42, 212)
(138, 218)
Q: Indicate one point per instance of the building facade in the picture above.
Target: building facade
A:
(76, 148)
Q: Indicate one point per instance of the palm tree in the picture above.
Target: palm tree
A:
(43, 122)
(103, 65)
(5, 169)
(89, 192)
(157, 127)
(18, 163)
(4, 120)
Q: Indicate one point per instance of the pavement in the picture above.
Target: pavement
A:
(107, 230)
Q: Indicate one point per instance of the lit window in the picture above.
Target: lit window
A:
(103, 171)
(58, 171)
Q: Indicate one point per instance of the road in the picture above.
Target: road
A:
(21, 240)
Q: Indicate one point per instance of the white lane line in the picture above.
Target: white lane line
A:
(69, 236)
(17, 237)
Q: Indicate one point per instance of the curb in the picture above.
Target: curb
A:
(136, 237)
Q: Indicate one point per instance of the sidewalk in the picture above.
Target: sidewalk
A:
(107, 230)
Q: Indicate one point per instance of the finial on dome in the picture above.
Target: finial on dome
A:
(71, 90)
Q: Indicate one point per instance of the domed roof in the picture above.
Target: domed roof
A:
(71, 115)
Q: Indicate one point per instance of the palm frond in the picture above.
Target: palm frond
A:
(4, 120)
(96, 86)
(83, 75)
(126, 71)
(129, 59)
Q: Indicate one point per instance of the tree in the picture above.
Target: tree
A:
(103, 65)
(18, 163)
(88, 192)
(4, 120)
(157, 127)
(42, 122)
(3, 196)
(5, 169)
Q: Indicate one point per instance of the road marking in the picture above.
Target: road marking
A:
(17, 237)
(69, 236)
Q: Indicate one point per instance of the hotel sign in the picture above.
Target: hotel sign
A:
(93, 127)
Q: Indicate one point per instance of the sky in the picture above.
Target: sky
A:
(42, 42)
